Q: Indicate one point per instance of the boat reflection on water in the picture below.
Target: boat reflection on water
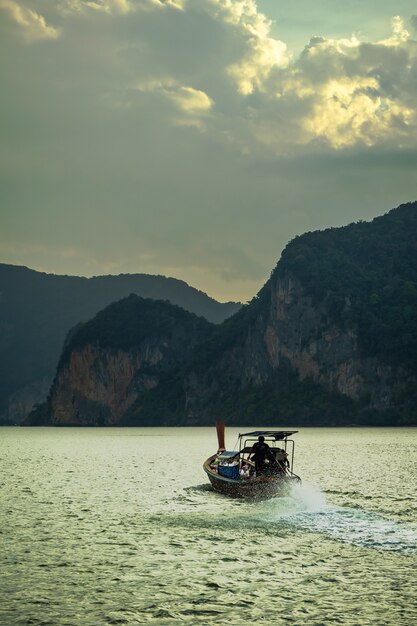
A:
(260, 467)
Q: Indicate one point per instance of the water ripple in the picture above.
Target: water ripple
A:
(107, 527)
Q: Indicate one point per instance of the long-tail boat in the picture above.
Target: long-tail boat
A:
(238, 473)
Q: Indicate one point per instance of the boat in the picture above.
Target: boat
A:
(238, 474)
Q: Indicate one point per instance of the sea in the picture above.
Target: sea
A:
(120, 526)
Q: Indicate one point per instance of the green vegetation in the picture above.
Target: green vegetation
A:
(365, 274)
(125, 324)
(288, 401)
(163, 405)
(362, 277)
(37, 311)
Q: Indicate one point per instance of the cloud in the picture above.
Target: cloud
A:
(356, 92)
(263, 53)
(399, 32)
(351, 110)
(187, 99)
(104, 6)
(339, 93)
(32, 24)
(195, 122)
(192, 101)
(216, 66)
(118, 7)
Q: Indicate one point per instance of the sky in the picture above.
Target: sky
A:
(196, 138)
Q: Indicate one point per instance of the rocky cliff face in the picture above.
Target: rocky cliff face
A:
(37, 311)
(311, 348)
(99, 382)
(97, 386)
(289, 336)
(316, 348)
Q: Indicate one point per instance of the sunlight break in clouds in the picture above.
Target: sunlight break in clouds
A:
(337, 93)
(33, 25)
(149, 130)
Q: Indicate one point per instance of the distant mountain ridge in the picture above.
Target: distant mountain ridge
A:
(37, 310)
(331, 339)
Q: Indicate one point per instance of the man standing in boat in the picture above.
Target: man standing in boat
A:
(261, 452)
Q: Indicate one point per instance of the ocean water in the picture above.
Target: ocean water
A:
(120, 526)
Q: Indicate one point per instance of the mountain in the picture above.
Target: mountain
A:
(37, 310)
(111, 364)
(331, 339)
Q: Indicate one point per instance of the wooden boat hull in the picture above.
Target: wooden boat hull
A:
(260, 487)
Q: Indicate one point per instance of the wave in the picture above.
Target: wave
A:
(304, 509)
(307, 509)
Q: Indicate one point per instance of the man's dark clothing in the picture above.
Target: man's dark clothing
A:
(261, 451)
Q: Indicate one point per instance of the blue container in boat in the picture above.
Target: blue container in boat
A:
(229, 471)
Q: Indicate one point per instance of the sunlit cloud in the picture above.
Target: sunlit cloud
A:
(263, 52)
(349, 111)
(118, 7)
(399, 33)
(33, 26)
(193, 119)
(187, 99)
(104, 6)
(338, 92)
(193, 103)
(193, 100)
(355, 92)
(341, 93)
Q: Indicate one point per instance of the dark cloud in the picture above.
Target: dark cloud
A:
(188, 141)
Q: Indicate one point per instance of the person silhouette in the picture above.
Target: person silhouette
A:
(259, 453)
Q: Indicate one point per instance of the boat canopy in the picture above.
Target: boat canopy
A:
(278, 435)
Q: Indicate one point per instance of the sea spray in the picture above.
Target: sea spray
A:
(302, 499)
(364, 528)
(308, 497)
(306, 508)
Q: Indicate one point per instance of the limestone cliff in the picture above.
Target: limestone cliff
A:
(290, 337)
(110, 365)
(330, 339)
(97, 386)
(318, 349)
(37, 310)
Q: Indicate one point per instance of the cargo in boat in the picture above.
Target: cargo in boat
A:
(261, 466)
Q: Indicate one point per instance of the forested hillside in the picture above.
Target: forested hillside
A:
(366, 274)
(37, 310)
(329, 340)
